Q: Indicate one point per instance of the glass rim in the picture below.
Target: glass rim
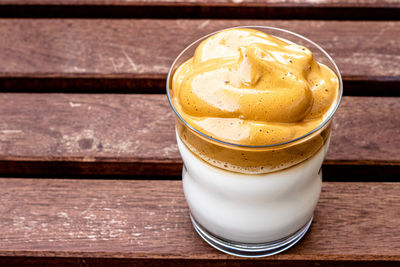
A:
(324, 122)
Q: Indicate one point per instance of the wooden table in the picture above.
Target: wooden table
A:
(88, 160)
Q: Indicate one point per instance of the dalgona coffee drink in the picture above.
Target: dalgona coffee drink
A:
(253, 129)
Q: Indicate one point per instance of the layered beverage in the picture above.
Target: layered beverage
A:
(253, 126)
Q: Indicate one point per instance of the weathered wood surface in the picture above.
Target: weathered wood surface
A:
(134, 55)
(99, 220)
(133, 135)
(272, 9)
(260, 3)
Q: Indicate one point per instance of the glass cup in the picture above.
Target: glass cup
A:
(253, 213)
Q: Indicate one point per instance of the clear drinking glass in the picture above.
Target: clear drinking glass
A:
(260, 214)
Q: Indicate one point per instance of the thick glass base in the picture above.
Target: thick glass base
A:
(250, 250)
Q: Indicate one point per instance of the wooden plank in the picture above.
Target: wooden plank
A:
(133, 135)
(249, 9)
(103, 221)
(135, 55)
(259, 3)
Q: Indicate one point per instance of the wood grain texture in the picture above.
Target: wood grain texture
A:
(135, 55)
(103, 220)
(133, 135)
(250, 9)
(329, 3)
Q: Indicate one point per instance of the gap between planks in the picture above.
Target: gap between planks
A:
(244, 9)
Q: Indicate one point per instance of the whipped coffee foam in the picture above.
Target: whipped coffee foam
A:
(248, 88)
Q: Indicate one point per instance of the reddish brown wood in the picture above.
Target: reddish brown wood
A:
(105, 220)
(260, 3)
(251, 9)
(133, 135)
(134, 55)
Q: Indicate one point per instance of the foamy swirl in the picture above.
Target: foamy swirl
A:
(246, 87)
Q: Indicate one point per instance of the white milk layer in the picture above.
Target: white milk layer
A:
(251, 208)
